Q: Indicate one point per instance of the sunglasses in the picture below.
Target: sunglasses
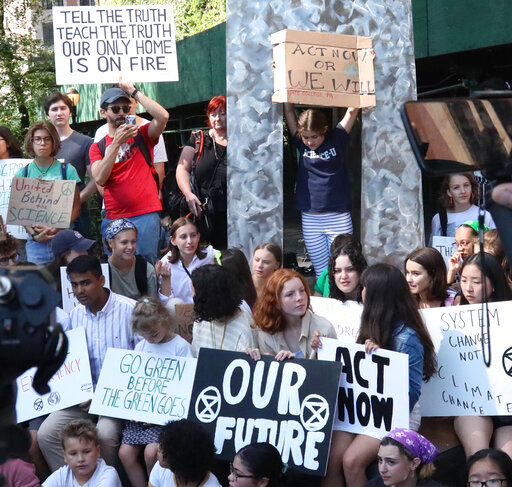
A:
(117, 108)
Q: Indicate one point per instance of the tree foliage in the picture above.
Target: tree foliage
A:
(26, 65)
(190, 16)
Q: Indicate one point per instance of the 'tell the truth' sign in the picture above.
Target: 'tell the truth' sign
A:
(314, 68)
(289, 404)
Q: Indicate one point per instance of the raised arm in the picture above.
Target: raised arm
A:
(157, 111)
(183, 179)
(291, 119)
(347, 122)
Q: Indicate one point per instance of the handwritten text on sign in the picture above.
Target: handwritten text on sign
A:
(37, 202)
(143, 386)
(68, 298)
(70, 385)
(8, 168)
(97, 44)
(288, 404)
(446, 247)
(370, 400)
(464, 385)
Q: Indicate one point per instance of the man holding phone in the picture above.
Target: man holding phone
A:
(119, 164)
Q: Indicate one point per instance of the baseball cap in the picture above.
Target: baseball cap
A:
(66, 240)
(111, 95)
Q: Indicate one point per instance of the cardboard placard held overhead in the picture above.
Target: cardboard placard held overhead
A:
(37, 202)
(315, 68)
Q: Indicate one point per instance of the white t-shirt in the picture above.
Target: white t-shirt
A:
(103, 476)
(177, 347)
(163, 477)
(159, 153)
(455, 220)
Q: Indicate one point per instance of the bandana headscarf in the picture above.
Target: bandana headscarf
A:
(417, 444)
(116, 226)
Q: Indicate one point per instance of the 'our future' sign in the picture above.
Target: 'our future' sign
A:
(288, 404)
(98, 44)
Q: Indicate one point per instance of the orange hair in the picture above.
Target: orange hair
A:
(267, 310)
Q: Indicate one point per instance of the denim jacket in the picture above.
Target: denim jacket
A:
(405, 340)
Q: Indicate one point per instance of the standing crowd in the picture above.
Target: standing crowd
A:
(258, 308)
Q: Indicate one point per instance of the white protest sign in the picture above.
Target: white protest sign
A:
(464, 385)
(446, 247)
(98, 44)
(8, 168)
(345, 317)
(70, 385)
(69, 302)
(373, 397)
(144, 387)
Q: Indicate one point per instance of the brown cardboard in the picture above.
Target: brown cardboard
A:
(185, 317)
(40, 202)
(315, 68)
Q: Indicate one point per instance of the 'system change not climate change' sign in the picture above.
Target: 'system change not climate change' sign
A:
(288, 404)
(98, 44)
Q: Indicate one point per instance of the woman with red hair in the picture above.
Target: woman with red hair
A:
(285, 324)
(204, 155)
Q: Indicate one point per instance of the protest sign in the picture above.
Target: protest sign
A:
(373, 390)
(143, 386)
(8, 168)
(446, 247)
(69, 301)
(345, 317)
(70, 385)
(40, 202)
(315, 68)
(185, 317)
(98, 44)
(288, 404)
(464, 385)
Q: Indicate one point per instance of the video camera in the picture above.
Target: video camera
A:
(29, 335)
(466, 134)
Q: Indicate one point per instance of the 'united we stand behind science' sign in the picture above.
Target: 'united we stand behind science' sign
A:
(464, 385)
(289, 404)
(98, 44)
(373, 393)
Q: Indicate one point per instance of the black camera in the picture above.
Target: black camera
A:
(29, 335)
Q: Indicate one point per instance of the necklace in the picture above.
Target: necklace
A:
(43, 172)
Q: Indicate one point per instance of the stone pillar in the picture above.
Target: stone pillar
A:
(391, 204)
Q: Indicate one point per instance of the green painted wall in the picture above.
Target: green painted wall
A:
(202, 67)
(446, 26)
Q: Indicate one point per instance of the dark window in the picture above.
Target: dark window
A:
(86, 3)
(48, 34)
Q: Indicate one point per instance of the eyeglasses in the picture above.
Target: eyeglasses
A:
(237, 475)
(486, 483)
(40, 140)
(15, 257)
(117, 108)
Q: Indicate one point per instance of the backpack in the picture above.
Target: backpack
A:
(141, 276)
(63, 170)
(139, 142)
(174, 203)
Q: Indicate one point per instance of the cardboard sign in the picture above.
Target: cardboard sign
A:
(464, 385)
(314, 68)
(70, 385)
(446, 247)
(185, 317)
(143, 386)
(289, 404)
(8, 168)
(345, 317)
(98, 44)
(373, 394)
(69, 302)
(37, 202)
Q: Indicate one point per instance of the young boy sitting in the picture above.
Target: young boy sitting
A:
(82, 455)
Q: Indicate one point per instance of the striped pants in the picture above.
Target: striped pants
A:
(319, 230)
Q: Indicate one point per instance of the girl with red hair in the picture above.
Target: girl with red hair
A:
(285, 324)
(207, 160)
